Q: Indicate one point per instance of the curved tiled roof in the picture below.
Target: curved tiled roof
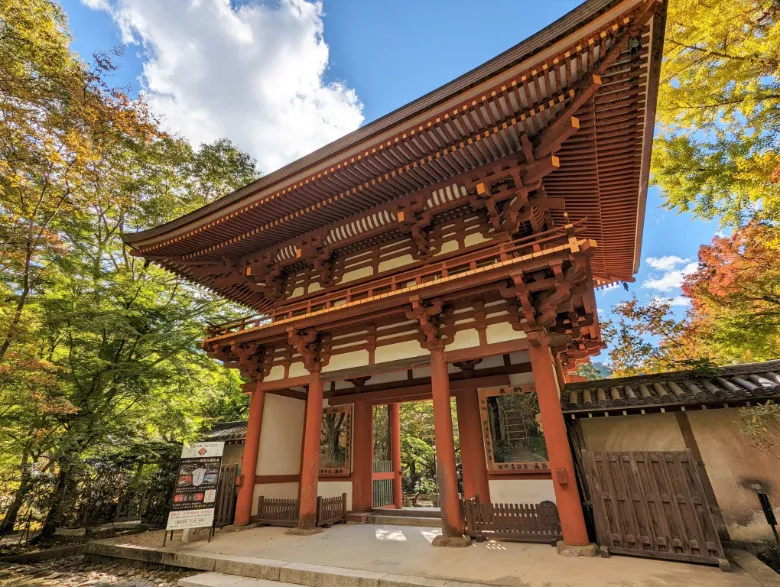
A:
(227, 431)
(727, 385)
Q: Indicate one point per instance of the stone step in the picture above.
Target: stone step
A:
(391, 520)
(223, 580)
(409, 512)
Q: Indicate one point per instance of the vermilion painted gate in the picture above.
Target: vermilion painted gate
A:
(652, 504)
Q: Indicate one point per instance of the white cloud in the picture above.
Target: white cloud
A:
(680, 301)
(252, 73)
(673, 275)
(665, 263)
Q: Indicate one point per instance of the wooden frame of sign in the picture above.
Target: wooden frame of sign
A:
(484, 411)
(346, 427)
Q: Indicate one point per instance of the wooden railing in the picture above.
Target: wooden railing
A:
(331, 510)
(277, 512)
(512, 521)
(486, 257)
(284, 512)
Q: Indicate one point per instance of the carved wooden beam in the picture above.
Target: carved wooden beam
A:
(427, 314)
(314, 347)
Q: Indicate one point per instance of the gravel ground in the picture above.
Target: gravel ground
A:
(76, 572)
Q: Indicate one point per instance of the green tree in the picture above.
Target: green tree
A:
(588, 371)
(717, 153)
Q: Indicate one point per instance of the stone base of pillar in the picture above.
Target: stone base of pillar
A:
(452, 541)
(303, 531)
(577, 551)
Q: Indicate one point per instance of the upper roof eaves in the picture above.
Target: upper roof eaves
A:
(561, 28)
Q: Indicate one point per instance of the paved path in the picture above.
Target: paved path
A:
(404, 550)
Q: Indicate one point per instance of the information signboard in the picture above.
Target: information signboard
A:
(195, 495)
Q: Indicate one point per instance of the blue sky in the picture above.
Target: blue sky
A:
(281, 78)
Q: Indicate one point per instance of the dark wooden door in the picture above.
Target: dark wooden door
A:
(652, 504)
(225, 507)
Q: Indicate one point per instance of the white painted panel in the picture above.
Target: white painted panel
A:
(400, 350)
(464, 339)
(474, 239)
(521, 378)
(448, 247)
(357, 274)
(347, 361)
(502, 332)
(314, 286)
(395, 263)
(274, 491)
(521, 490)
(277, 372)
(298, 291)
(281, 436)
(335, 489)
(297, 369)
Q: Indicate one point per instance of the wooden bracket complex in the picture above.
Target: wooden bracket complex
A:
(314, 347)
(428, 316)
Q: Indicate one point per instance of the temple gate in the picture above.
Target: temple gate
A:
(450, 248)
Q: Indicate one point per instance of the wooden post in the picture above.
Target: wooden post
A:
(307, 518)
(362, 458)
(451, 518)
(472, 446)
(249, 460)
(558, 451)
(692, 445)
(395, 453)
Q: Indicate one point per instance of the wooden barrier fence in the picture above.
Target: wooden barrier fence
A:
(512, 521)
(277, 512)
(284, 512)
(331, 510)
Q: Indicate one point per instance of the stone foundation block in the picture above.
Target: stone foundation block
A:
(452, 541)
(577, 551)
(303, 531)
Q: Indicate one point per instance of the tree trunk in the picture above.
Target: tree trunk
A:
(9, 521)
(53, 515)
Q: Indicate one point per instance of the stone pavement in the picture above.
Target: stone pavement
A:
(74, 571)
(370, 555)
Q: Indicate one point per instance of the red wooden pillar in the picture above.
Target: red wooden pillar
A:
(249, 460)
(362, 458)
(558, 451)
(395, 453)
(311, 454)
(472, 447)
(451, 518)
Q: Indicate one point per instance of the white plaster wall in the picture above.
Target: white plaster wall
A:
(297, 369)
(448, 247)
(400, 350)
(502, 332)
(633, 433)
(521, 378)
(233, 454)
(281, 436)
(357, 274)
(395, 263)
(521, 490)
(277, 372)
(335, 489)
(474, 239)
(464, 339)
(346, 361)
(274, 491)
